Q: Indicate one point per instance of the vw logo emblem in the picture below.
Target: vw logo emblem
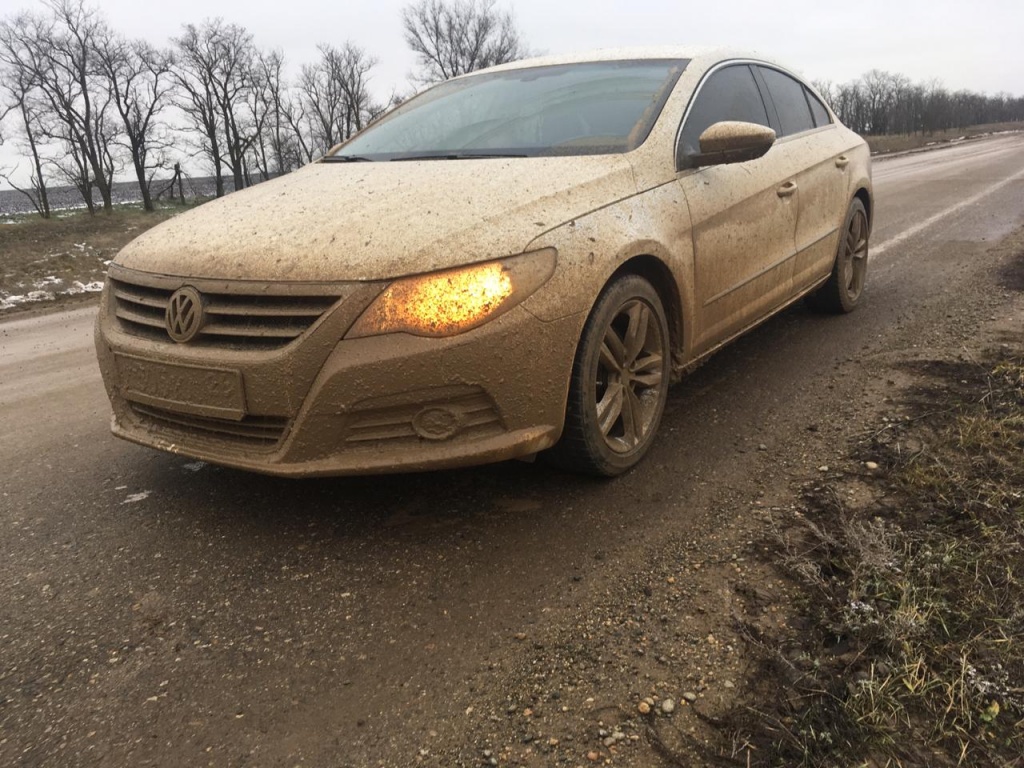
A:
(185, 314)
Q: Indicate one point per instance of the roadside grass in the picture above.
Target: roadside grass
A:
(883, 145)
(912, 649)
(65, 257)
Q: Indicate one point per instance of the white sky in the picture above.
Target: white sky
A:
(977, 45)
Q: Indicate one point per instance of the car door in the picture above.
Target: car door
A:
(805, 126)
(743, 215)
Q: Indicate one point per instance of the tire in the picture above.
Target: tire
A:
(619, 382)
(844, 286)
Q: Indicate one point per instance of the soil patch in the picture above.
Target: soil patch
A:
(1012, 275)
(57, 261)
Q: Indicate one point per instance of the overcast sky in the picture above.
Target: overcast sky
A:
(977, 45)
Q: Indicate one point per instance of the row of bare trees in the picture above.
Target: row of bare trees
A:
(84, 105)
(882, 103)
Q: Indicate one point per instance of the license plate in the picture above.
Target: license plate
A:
(215, 392)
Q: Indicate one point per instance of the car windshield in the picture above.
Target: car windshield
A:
(569, 109)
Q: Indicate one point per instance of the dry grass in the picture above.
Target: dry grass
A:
(914, 656)
(883, 145)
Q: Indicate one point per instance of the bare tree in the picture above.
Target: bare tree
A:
(19, 87)
(453, 37)
(354, 71)
(216, 74)
(335, 95)
(273, 110)
(138, 77)
(77, 115)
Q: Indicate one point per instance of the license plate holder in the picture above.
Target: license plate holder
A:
(195, 389)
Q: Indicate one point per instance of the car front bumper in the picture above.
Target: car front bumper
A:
(321, 405)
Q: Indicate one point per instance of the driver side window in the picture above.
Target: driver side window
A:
(729, 94)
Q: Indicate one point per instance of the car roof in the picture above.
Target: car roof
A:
(703, 56)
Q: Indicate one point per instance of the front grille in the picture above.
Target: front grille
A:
(252, 432)
(237, 315)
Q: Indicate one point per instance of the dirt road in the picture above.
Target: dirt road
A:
(155, 611)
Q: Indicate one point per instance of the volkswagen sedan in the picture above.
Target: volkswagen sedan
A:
(515, 262)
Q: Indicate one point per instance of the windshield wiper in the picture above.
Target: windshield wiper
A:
(455, 156)
(347, 159)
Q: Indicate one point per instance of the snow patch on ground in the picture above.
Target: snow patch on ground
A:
(57, 287)
(10, 301)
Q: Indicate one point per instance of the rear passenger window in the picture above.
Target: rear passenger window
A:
(729, 94)
(790, 102)
(817, 109)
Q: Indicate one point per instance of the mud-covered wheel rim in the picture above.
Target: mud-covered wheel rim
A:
(855, 255)
(629, 380)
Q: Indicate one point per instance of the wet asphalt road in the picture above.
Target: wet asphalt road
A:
(159, 611)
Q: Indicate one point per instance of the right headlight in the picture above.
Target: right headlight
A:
(456, 300)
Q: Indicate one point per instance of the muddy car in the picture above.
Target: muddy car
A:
(514, 262)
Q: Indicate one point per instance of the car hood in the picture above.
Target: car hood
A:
(372, 221)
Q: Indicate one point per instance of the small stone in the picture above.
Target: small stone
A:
(593, 755)
(690, 696)
(668, 706)
(644, 708)
(618, 735)
(762, 447)
(871, 465)
(488, 753)
(609, 742)
(729, 684)
(823, 468)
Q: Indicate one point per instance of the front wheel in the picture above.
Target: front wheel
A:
(842, 291)
(619, 381)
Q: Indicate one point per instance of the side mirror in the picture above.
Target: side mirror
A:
(732, 141)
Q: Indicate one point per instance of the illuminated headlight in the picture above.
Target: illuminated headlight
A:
(456, 300)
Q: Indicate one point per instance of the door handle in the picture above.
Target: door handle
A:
(787, 189)
(842, 161)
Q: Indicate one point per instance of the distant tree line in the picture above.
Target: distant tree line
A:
(881, 103)
(84, 105)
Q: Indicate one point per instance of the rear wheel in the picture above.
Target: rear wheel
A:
(619, 381)
(842, 291)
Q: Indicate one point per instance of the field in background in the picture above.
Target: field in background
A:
(884, 145)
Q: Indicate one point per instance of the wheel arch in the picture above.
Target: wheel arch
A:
(864, 196)
(657, 273)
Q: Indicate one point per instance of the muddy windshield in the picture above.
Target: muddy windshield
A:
(571, 109)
